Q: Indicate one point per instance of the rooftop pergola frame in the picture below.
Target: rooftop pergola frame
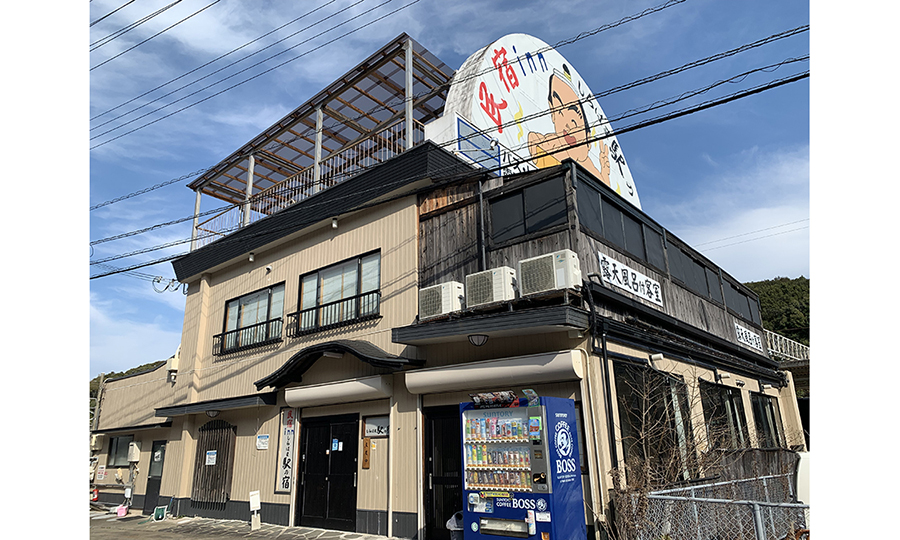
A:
(373, 112)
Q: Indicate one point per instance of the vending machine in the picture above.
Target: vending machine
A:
(522, 470)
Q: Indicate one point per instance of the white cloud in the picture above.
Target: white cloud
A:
(118, 342)
(750, 218)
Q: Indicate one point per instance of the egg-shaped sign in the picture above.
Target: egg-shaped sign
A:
(517, 105)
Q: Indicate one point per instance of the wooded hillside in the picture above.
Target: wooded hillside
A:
(784, 305)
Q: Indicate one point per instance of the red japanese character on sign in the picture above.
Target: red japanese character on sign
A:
(507, 73)
(491, 107)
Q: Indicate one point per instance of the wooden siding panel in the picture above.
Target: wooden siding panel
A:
(678, 302)
(449, 246)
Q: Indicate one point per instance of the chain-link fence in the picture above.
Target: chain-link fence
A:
(754, 509)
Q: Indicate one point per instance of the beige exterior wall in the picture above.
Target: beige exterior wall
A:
(390, 227)
(131, 401)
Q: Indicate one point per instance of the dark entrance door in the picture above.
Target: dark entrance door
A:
(326, 497)
(154, 476)
(443, 488)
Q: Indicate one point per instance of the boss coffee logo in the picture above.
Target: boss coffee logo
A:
(564, 447)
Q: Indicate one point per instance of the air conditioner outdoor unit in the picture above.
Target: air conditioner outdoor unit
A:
(134, 451)
(440, 299)
(553, 271)
(489, 286)
(97, 441)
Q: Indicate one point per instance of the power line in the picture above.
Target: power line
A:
(160, 225)
(646, 80)
(633, 127)
(751, 232)
(111, 12)
(154, 100)
(560, 44)
(122, 31)
(758, 238)
(151, 188)
(245, 70)
(627, 114)
(208, 63)
(110, 59)
(633, 84)
(632, 112)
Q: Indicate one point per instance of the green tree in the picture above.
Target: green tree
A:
(784, 306)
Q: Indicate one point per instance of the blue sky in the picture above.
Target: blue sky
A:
(732, 170)
(732, 181)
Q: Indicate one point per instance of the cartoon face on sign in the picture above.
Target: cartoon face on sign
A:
(571, 132)
(522, 94)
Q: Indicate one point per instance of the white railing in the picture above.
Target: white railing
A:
(335, 169)
(786, 349)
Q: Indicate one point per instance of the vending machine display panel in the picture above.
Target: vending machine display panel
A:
(522, 471)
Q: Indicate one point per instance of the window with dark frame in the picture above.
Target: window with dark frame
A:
(118, 451)
(723, 411)
(607, 220)
(533, 209)
(339, 294)
(252, 320)
(655, 423)
(603, 217)
(767, 419)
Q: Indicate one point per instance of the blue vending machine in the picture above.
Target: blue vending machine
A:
(522, 470)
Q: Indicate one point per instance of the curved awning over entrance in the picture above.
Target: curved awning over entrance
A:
(297, 365)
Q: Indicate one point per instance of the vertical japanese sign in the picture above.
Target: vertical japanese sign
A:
(286, 450)
(522, 94)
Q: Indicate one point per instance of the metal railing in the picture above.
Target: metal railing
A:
(361, 307)
(248, 337)
(333, 170)
(762, 508)
(786, 349)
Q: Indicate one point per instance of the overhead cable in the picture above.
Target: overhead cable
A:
(111, 12)
(639, 125)
(248, 68)
(111, 58)
(122, 31)
(208, 63)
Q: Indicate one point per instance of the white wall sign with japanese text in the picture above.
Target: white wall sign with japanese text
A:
(286, 435)
(629, 279)
(521, 93)
(211, 457)
(377, 426)
(748, 337)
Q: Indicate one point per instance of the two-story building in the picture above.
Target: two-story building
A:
(378, 278)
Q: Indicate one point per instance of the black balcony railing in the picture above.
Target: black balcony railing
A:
(248, 337)
(346, 311)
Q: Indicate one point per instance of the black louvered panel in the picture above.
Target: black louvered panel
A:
(212, 482)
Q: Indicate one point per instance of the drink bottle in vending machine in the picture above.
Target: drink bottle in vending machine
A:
(522, 474)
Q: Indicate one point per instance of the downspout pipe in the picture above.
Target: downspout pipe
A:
(604, 366)
(481, 225)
